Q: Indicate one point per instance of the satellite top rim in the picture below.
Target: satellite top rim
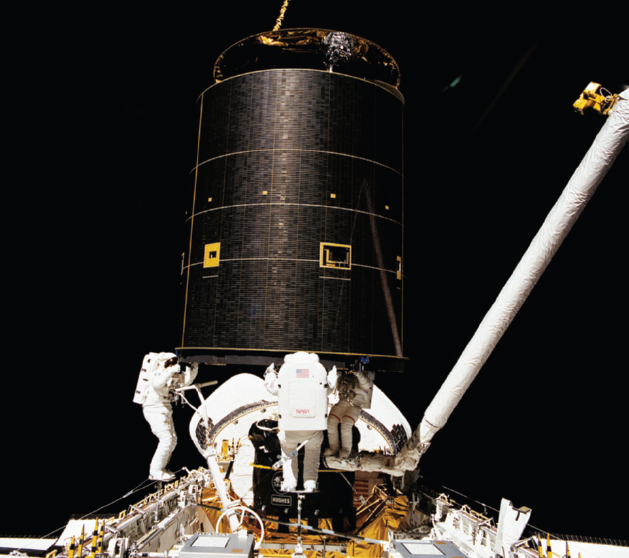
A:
(305, 48)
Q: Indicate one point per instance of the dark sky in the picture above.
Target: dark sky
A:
(112, 122)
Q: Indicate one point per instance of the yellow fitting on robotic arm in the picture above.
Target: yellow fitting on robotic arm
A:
(594, 99)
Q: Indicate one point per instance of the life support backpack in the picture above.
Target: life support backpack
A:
(303, 393)
(149, 364)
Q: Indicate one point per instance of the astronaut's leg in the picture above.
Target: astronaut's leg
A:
(312, 457)
(289, 442)
(160, 418)
(334, 419)
(348, 420)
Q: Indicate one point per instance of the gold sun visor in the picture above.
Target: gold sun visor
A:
(309, 49)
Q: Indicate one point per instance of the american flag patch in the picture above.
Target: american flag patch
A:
(302, 373)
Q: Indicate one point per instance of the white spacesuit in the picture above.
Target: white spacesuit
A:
(302, 387)
(355, 392)
(158, 376)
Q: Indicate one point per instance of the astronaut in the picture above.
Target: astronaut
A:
(354, 390)
(161, 373)
(302, 386)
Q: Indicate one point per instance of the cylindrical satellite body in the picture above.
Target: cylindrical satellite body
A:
(296, 230)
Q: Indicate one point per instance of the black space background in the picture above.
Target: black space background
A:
(101, 103)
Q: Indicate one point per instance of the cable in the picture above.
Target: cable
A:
(132, 491)
(306, 527)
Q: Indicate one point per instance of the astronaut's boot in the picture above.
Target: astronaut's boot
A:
(331, 451)
(310, 486)
(165, 476)
(344, 453)
(289, 479)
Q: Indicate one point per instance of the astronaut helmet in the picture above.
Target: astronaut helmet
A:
(168, 359)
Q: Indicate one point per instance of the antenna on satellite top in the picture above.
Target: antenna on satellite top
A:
(280, 17)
